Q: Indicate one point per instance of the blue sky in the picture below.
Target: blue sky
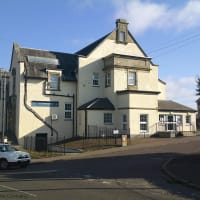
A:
(167, 30)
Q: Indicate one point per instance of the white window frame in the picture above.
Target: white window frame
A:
(53, 84)
(188, 119)
(124, 122)
(95, 79)
(142, 122)
(132, 79)
(107, 79)
(179, 119)
(122, 36)
(68, 110)
(108, 118)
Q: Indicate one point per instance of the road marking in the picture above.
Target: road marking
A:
(87, 176)
(44, 179)
(16, 190)
(31, 172)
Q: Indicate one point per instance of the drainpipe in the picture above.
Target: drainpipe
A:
(62, 95)
(32, 111)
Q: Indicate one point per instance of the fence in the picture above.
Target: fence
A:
(97, 137)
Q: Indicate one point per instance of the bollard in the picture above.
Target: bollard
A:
(124, 141)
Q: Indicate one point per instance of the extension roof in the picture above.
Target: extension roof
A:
(98, 104)
(168, 105)
(68, 63)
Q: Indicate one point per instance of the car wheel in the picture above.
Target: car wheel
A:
(3, 164)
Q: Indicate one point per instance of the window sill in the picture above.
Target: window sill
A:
(132, 87)
(95, 85)
(67, 119)
(108, 123)
(188, 124)
(121, 42)
(143, 131)
(54, 90)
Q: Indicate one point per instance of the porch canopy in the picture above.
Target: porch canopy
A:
(98, 104)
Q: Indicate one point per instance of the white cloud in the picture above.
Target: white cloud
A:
(143, 15)
(182, 90)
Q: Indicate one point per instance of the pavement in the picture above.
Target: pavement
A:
(184, 169)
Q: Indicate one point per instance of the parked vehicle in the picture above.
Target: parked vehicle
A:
(11, 156)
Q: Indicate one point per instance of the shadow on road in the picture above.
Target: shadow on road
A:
(139, 172)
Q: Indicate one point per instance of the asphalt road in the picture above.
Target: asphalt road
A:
(134, 173)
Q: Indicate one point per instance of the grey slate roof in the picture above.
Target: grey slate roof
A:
(168, 105)
(68, 63)
(88, 49)
(98, 104)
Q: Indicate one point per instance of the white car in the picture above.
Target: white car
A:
(10, 156)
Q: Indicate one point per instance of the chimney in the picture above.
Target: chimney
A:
(121, 22)
(121, 31)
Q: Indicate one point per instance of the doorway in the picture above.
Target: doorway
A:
(41, 142)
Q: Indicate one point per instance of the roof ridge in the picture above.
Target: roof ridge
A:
(90, 47)
(44, 50)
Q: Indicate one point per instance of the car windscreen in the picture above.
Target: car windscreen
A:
(5, 148)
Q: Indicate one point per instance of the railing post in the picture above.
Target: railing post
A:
(64, 144)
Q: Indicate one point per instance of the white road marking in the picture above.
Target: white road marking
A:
(17, 190)
(31, 172)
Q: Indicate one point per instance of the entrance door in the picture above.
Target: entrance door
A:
(171, 123)
(41, 142)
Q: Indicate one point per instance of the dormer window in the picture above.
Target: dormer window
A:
(122, 36)
(121, 31)
(54, 80)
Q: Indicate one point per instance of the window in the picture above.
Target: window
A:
(43, 60)
(131, 78)
(54, 81)
(143, 123)
(122, 36)
(188, 119)
(45, 103)
(124, 122)
(161, 118)
(107, 118)
(179, 119)
(95, 79)
(68, 111)
(107, 79)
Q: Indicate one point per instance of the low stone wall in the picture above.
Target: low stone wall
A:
(189, 133)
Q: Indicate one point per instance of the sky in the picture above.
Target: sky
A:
(167, 30)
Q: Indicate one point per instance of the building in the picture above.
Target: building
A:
(110, 83)
(4, 77)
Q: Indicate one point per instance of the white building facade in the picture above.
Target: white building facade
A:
(110, 83)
